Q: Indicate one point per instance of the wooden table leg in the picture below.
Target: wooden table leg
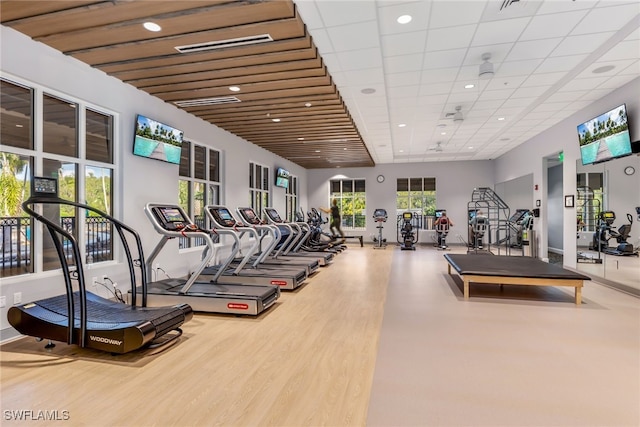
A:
(466, 289)
(578, 295)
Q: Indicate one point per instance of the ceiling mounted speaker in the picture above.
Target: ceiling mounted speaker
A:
(486, 68)
(458, 117)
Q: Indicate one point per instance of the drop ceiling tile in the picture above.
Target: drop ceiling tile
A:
(628, 49)
(353, 36)
(560, 63)
(403, 92)
(439, 75)
(435, 89)
(554, 25)
(635, 35)
(322, 41)
(583, 84)
(633, 69)
(449, 38)
(463, 97)
(497, 32)
(607, 19)
(529, 92)
(346, 12)
(429, 99)
(404, 63)
(616, 82)
(575, 45)
(565, 96)
(455, 13)
(404, 43)
(359, 59)
(487, 104)
(444, 59)
(500, 82)
(618, 67)
(309, 13)
(403, 79)
(533, 49)
(388, 14)
(497, 51)
(331, 62)
(543, 79)
(500, 94)
(517, 68)
(365, 77)
(551, 106)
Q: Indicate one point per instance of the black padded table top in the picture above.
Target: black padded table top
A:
(509, 266)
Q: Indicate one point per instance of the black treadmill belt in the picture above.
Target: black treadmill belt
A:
(103, 312)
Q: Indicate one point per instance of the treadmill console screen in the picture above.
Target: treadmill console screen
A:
(171, 218)
(44, 186)
(407, 215)
(250, 216)
(273, 215)
(223, 217)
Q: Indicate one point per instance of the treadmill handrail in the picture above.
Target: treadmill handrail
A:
(269, 228)
(56, 230)
(287, 242)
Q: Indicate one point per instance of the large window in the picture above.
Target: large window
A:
(417, 195)
(258, 187)
(199, 185)
(350, 195)
(70, 141)
(291, 198)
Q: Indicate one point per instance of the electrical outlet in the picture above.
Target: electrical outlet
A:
(17, 298)
(3, 301)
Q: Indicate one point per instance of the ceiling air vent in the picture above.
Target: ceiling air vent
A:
(222, 44)
(207, 101)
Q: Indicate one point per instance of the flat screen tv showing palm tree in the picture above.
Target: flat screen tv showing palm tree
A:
(605, 137)
(156, 140)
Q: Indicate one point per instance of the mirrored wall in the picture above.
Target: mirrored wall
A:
(608, 221)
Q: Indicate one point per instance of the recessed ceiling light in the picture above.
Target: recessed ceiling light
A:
(19, 126)
(308, 104)
(469, 86)
(603, 69)
(275, 120)
(317, 151)
(404, 19)
(443, 133)
(368, 90)
(345, 148)
(300, 139)
(152, 26)
(500, 119)
(234, 88)
(401, 125)
(470, 148)
(402, 151)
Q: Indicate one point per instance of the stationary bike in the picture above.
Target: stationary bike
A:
(408, 236)
(380, 216)
(605, 232)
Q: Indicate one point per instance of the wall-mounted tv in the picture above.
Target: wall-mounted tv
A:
(156, 140)
(282, 178)
(605, 137)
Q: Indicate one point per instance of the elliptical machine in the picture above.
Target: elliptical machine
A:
(442, 226)
(605, 232)
(407, 237)
(380, 216)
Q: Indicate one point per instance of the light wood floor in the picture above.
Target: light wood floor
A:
(307, 361)
(380, 338)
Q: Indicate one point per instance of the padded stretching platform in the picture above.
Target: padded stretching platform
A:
(512, 270)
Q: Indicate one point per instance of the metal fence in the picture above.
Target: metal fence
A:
(16, 237)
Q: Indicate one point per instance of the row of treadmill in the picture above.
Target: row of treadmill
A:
(260, 259)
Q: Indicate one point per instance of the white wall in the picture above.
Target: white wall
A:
(528, 158)
(140, 180)
(455, 182)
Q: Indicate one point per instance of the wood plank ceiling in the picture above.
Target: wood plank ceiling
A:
(281, 78)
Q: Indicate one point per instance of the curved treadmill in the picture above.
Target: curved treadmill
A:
(513, 270)
(96, 322)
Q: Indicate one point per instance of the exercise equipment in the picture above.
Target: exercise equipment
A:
(81, 317)
(171, 221)
(380, 217)
(407, 237)
(479, 227)
(606, 232)
(442, 228)
(246, 270)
